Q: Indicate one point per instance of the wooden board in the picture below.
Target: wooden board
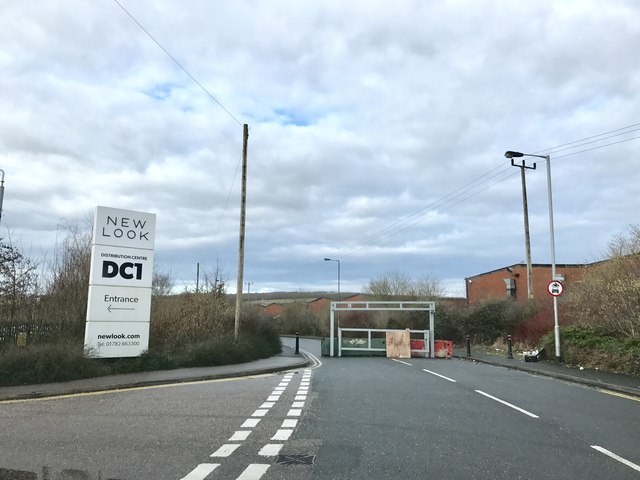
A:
(398, 344)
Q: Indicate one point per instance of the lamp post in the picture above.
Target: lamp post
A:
(1, 193)
(556, 328)
(338, 261)
(338, 311)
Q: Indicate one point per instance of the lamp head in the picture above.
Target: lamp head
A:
(510, 154)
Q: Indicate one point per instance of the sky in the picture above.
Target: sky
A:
(377, 132)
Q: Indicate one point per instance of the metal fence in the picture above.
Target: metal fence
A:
(18, 334)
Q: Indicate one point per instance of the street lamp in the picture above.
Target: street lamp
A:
(338, 261)
(556, 327)
(337, 311)
(1, 193)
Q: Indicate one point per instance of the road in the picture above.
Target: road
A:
(353, 418)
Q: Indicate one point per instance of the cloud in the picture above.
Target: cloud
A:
(377, 131)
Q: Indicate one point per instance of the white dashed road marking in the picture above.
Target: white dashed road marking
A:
(282, 435)
(240, 435)
(616, 457)
(250, 423)
(255, 471)
(225, 450)
(438, 375)
(510, 405)
(270, 450)
(201, 471)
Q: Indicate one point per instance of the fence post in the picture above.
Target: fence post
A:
(297, 343)
(468, 338)
(509, 350)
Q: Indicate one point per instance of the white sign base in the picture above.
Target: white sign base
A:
(116, 339)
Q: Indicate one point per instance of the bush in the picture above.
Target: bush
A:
(65, 361)
(47, 363)
(297, 319)
(596, 348)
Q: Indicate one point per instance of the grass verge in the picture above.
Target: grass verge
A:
(591, 348)
(65, 361)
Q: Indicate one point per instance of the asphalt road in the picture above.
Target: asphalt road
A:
(350, 418)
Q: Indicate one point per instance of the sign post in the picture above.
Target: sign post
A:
(119, 303)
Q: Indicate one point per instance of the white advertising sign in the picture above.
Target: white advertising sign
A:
(117, 339)
(119, 304)
(120, 283)
(127, 267)
(124, 228)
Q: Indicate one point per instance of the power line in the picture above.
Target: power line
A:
(596, 148)
(446, 202)
(592, 137)
(416, 217)
(179, 64)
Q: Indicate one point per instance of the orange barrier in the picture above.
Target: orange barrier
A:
(443, 348)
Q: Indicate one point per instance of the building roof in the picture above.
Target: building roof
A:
(538, 265)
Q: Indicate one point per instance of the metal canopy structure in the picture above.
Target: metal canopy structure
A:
(383, 306)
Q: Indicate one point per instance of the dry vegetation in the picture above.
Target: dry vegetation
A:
(43, 313)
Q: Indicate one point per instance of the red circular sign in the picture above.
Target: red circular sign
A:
(555, 288)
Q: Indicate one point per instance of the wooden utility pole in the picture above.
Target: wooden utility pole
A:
(527, 240)
(243, 207)
(198, 277)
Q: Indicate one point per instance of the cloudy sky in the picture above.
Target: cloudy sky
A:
(377, 131)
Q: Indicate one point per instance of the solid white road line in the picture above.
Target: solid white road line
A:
(400, 361)
(240, 436)
(282, 435)
(270, 450)
(255, 471)
(201, 471)
(510, 405)
(438, 375)
(616, 457)
(250, 423)
(225, 450)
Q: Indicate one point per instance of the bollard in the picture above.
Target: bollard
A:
(297, 343)
(509, 350)
(468, 337)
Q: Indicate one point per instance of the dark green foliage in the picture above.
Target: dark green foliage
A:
(599, 348)
(47, 363)
(65, 360)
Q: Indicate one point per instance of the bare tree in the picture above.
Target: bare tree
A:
(608, 298)
(18, 283)
(395, 284)
(162, 283)
(65, 300)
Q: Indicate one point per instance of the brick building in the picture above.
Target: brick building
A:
(511, 281)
